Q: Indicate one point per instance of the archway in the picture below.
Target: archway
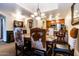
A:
(2, 28)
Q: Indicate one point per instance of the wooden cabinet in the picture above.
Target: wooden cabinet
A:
(49, 23)
(10, 37)
(54, 22)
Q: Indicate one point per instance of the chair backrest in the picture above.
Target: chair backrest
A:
(62, 36)
(39, 36)
(62, 40)
(18, 38)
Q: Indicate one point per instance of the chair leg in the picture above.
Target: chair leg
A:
(22, 51)
(16, 53)
(54, 54)
(16, 49)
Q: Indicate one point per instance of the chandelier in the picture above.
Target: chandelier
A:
(38, 15)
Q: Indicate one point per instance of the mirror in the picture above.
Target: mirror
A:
(75, 13)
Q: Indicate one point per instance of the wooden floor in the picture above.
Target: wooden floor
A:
(2, 43)
(7, 49)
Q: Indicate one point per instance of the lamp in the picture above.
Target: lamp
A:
(38, 15)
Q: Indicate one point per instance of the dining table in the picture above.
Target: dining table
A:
(49, 42)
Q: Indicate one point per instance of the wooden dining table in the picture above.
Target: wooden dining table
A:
(49, 42)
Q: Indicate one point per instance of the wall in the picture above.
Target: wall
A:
(40, 23)
(9, 23)
(36, 23)
(69, 27)
(4, 27)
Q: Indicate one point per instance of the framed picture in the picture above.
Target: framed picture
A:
(75, 13)
(18, 24)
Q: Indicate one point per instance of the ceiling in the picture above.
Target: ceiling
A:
(11, 8)
(29, 8)
(63, 9)
(44, 7)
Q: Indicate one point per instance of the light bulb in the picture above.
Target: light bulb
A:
(32, 15)
(38, 18)
(35, 13)
(50, 17)
(42, 14)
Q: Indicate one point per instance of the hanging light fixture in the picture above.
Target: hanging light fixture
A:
(38, 15)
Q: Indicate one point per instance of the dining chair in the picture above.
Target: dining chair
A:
(60, 45)
(19, 41)
(38, 41)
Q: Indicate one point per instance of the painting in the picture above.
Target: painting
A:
(75, 13)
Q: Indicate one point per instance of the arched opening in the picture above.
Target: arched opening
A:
(2, 28)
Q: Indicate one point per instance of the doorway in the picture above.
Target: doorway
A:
(2, 28)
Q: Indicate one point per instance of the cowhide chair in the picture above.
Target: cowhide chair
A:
(38, 41)
(19, 41)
